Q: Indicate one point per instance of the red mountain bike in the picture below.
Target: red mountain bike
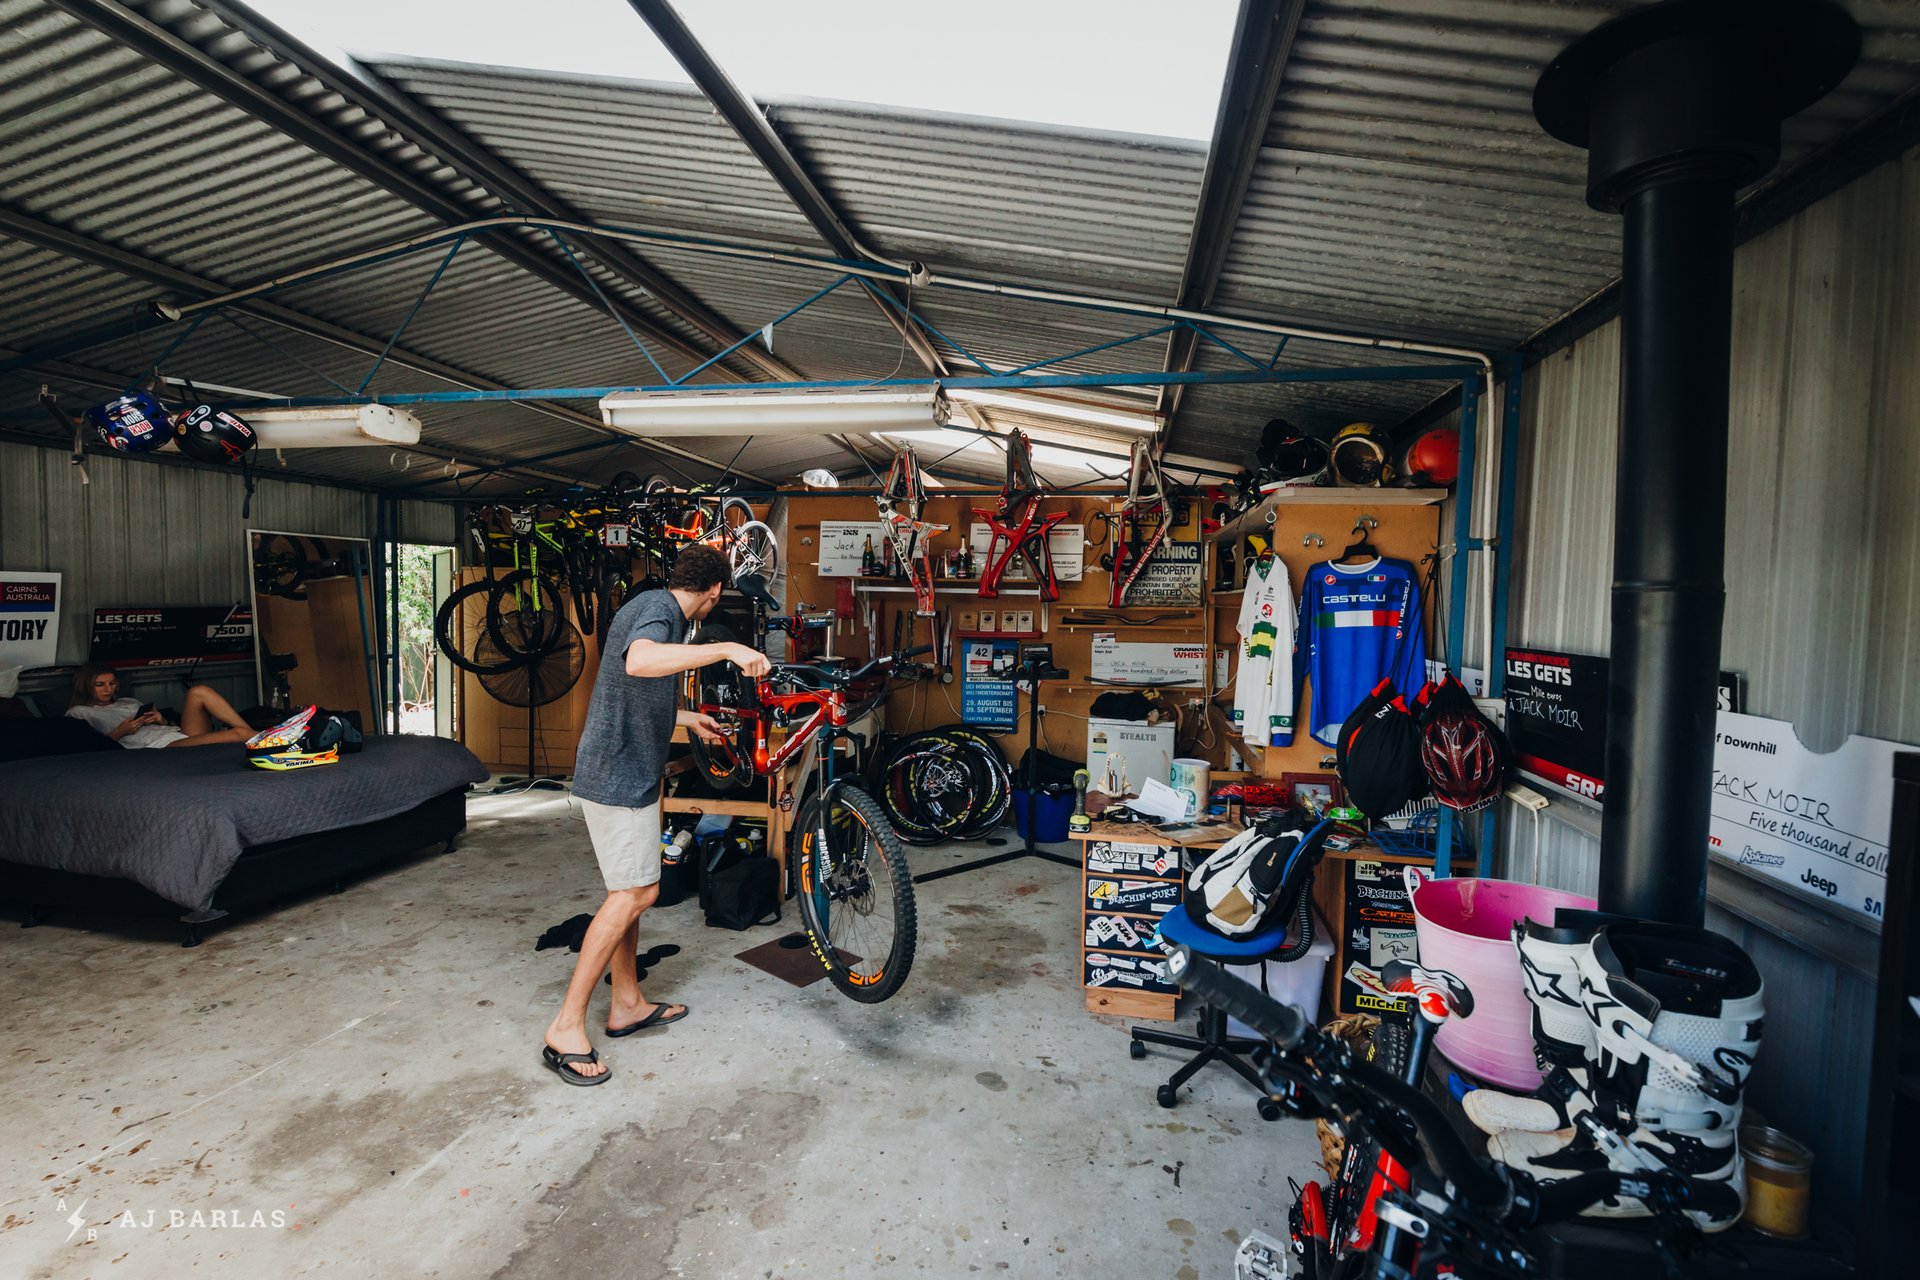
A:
(856, 893)
(1018, 527)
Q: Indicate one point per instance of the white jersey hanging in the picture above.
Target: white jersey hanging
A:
(1263, 689)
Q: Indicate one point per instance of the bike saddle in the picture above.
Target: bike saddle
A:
(754, 587)
(1439, 994)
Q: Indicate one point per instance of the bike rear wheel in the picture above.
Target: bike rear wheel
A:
(727, 764)
(856, 894)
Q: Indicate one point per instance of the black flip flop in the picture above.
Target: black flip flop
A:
(562, 1065)
(651, 1020)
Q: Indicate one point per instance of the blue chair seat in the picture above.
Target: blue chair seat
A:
(1178, 928)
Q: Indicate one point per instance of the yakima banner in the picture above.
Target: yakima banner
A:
(29, 619)
(1817, 823)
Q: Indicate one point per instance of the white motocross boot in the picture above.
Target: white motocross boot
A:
(1677, 1016)
(1524, 1126)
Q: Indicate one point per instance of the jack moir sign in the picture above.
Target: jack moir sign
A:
(1818, 823)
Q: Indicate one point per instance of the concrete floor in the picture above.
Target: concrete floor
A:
(366, 1066)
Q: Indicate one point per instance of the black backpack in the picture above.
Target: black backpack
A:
(738, 889)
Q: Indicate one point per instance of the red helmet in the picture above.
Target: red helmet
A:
(1433, 458)
(1463, 759)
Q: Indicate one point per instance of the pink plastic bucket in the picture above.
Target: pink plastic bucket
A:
(1465, 926)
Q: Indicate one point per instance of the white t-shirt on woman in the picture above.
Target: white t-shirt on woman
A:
(116, 713)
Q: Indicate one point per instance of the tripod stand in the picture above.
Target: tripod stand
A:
(1035, 665)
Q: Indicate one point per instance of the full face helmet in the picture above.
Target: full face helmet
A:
(1359, 456)
(295, 743)
(134, 423)
(207, 434)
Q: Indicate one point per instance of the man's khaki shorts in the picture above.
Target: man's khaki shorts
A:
(627, 843)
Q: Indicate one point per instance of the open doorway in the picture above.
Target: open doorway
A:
(426, 701)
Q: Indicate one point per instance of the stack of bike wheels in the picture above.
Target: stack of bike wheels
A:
(950, 783)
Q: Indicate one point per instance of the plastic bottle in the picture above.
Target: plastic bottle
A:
(674, 848)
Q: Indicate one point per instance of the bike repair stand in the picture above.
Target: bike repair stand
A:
(1035, 665)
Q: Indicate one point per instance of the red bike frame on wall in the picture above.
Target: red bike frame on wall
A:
(1017, 526)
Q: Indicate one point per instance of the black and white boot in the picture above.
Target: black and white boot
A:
(1677, 1016)
(1521, 1127)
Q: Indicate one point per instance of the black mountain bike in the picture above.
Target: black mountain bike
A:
(1457, 1213)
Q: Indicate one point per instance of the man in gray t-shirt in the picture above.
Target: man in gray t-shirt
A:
(616, 777)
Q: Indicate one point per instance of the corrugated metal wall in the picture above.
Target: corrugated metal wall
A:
(143, 533)
(1823, 570)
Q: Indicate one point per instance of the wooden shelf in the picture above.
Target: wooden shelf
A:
(1255, 519)
(968, 588)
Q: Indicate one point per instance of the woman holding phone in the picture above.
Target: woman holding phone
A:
(206, 718)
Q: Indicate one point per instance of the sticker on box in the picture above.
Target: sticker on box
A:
(1393, 944)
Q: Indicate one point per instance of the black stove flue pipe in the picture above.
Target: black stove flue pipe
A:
(1679, 105)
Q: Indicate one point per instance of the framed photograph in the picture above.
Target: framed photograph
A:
(1316, 791)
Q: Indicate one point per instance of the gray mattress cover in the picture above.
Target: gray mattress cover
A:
(176, 821)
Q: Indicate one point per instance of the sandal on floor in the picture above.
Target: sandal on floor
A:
(562, 1064)
(653, 1019)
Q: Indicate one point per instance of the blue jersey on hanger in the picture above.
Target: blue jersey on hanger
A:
(1359, 623)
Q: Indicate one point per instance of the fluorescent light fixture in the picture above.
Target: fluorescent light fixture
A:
(731, 411)
(333, 427)
(1047, 407)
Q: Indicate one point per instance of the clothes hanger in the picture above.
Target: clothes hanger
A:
(1364, 526)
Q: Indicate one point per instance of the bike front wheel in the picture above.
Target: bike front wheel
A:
(856, 894)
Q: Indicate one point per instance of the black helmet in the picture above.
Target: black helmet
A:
(1288, 457)
(208, 434)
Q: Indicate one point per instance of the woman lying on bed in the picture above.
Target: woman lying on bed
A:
(207, 718)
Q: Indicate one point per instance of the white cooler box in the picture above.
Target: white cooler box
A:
(1296, 982)
(1147, 749)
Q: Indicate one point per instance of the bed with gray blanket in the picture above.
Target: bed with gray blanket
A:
(200, 829)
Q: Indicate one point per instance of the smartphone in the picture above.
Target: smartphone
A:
(144, 708)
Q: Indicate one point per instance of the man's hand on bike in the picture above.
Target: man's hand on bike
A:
(750, 661)
(702, 726)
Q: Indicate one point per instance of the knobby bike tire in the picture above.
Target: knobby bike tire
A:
(512, 629)
(583, 575)
(445, 620)
(1389, 1049)
(829, 879)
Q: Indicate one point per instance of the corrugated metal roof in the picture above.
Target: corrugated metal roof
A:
(1402, 189)
(1403, 186)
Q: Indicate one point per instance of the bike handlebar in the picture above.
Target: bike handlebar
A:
(1510, 1197)
(1538, 1202)
(812, 671)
